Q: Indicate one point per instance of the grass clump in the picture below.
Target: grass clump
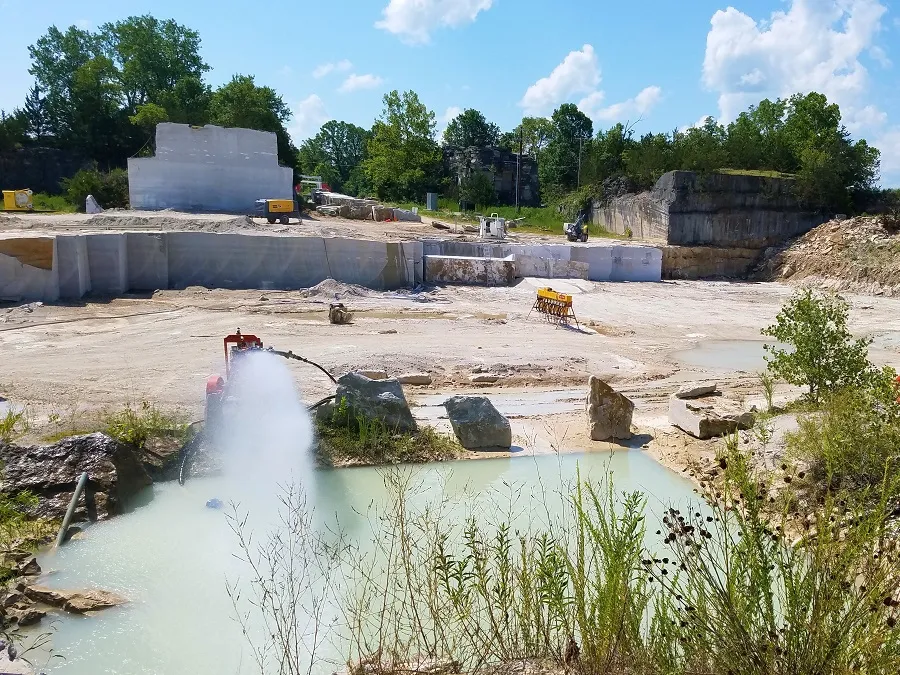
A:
(18, 529)
(854, 442)
(13, 423)
(346, 439)
(47, 202)
(136, 426)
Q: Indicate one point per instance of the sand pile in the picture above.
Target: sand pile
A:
(859, 255)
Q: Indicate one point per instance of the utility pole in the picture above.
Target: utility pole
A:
(580, 145)
(519, 167)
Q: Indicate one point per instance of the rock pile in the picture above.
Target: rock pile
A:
(701, 411)
(860, 255)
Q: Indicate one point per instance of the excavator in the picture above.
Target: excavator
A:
(220, 396)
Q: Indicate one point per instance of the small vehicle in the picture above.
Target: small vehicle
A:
(577, 231)
(281, 210)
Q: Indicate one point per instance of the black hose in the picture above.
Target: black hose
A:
(292, 355)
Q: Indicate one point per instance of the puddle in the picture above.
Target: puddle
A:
(511, 405)
(731, 355)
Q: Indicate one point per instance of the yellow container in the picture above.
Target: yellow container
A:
(281, 206)
(17, 200)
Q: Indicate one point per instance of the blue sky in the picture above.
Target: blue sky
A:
(667, 63)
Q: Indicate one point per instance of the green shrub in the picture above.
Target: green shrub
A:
(12, 425)
(345, 439)
(854, 443)
(825, 357)
(136, 427)
(109, 189)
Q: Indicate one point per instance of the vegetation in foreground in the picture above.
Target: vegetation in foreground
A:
(343, 440)
(715, 590)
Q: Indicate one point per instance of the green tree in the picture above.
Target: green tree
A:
(35, 111)
(471, 129)
(649, 158)
(532, 135)
(477, 188)
(561, 162)
(241, 103)
(404, 161)
(188, 101)
(824, 356)
(701, 148)
(151, 56)
(340, 146)
(12, 130)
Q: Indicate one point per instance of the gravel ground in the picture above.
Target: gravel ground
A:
(68, 362)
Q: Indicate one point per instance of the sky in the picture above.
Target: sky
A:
(660, 64)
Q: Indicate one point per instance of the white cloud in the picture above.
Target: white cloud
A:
(309, 115)
(632, 108)
(413, 21)
(889, 144)
(869, 118)
(881, 56)
(359, 82)
(578, 74)
(814, 45)
(84, 24)
(324, 69)
(590, 104)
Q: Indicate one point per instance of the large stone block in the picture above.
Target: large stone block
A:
(72, 263)
(380, 400)
(478, 424)
(609, 413)
(108, 263)
(148, 261)
(471, 271)
(708, 418)
(27, 269)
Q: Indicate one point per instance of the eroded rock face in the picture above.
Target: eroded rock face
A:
(477, 423)
(709, 417)
(51, 472)
(381, 400)
(609, 412)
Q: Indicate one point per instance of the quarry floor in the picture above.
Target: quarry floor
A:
(69, 363)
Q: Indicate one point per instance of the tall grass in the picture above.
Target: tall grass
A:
(717, 590)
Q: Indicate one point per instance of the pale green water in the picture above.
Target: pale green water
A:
(172, 556)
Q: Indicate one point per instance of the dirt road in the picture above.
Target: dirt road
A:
(68, 362)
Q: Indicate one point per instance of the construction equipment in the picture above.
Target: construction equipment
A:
(220, 397)
(577, 231)
(18, 200)
(493, 227)
(281, 210)
(555, 307)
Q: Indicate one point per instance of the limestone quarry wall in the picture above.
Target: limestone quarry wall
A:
(209, 168)
(627, 262)
(723, 210)
(64, 266)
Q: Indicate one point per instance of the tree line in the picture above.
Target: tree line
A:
(100, 94)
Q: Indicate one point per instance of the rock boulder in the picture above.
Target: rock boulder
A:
(381, 400)
(609, 412)
(415, 379)
(477, 423)
(697, 390)
(77, 602)
(51, 472)
(708, 418)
